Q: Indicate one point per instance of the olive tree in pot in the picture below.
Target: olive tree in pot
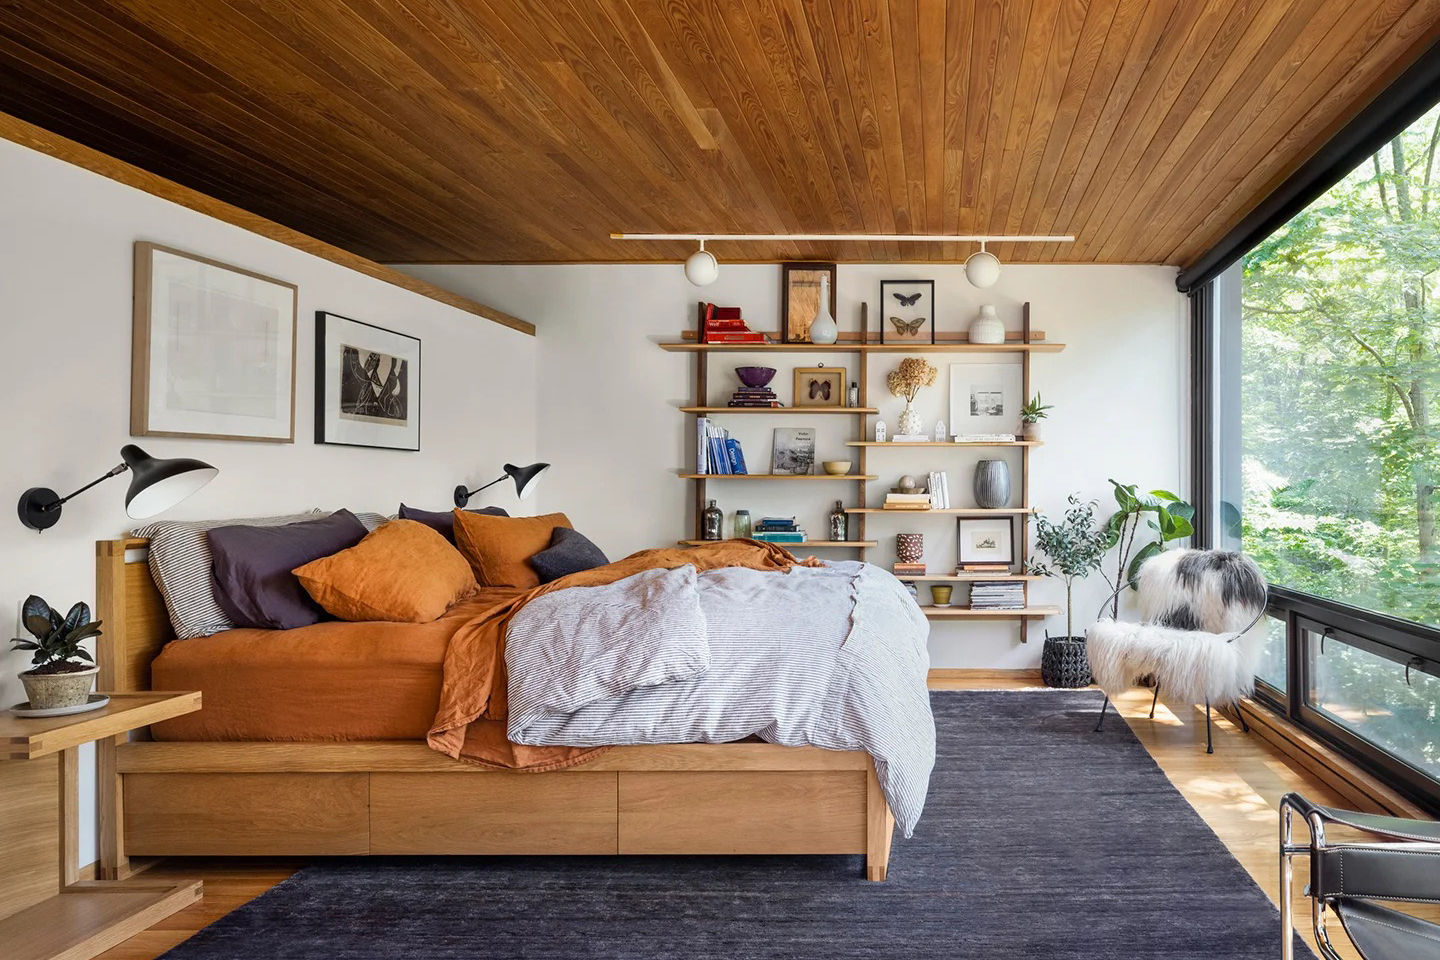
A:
(63, 671)
(1075, 547)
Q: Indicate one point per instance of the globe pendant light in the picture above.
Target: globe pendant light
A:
(983, 268)
(701, 267)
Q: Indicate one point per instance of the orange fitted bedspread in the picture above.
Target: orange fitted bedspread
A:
(332, 681)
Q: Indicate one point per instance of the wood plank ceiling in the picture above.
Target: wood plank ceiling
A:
(509, 131)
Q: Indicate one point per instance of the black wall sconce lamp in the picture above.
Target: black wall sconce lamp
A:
(155, 486)
(526, 480)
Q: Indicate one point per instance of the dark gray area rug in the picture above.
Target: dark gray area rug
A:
(1041, 839)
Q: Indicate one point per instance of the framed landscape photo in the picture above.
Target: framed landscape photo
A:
(213, 350)
(367, 384)
(794, 454)
(986, 540)
(819, 387)
(800, 298)
(907, 311)
(985, 398)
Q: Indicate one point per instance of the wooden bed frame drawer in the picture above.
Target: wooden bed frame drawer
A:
(246, 814)
(752, 812)
(493, 813)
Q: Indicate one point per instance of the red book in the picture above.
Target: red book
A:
(746, 337)
(723, 313)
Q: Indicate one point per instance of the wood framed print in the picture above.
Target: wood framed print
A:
(800, 298)
(985, 398)
(819, 387)
(794, 453)
(907, 311)
(367, 385)
(987, 540)
(213, 350)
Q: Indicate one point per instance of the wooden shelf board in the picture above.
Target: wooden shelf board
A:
(947, 512)
(965, 613)
(91, 918)
(966, 577)
(945, 443)
(776, 476)
(28, 738)
(774, 411)
(952, 347)
(792, 546)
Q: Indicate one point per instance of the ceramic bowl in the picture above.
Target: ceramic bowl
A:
(755, 376)
(836, 468)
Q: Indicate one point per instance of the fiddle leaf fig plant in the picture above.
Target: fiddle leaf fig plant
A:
(57, 640)
(1076, 546)
(1141, 527)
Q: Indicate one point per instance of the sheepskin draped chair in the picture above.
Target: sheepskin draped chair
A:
(1199, 636)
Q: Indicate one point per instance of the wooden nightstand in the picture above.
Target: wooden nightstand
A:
(46, 911)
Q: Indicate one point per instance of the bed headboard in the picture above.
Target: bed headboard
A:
(136, 624)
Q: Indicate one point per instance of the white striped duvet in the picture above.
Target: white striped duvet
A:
(831, 657)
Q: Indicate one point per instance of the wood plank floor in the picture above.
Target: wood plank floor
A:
(1236, 790)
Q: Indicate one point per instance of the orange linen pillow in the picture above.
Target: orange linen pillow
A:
(499, 548)
(403, 572)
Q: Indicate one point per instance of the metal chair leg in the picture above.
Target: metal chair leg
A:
(1154, 700)
(1209, 743)
(1103, 707)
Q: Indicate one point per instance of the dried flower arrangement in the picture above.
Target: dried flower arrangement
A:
(912, 374)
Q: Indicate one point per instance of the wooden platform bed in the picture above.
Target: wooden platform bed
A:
(334, 799)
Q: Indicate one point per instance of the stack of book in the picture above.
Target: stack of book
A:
(903, 570)
(939, 490)
(754, 397)
(724, 325)
(997, 595)
(716, 452)
(984, 568)
(984, 438)
(779, 530)
(907, 501)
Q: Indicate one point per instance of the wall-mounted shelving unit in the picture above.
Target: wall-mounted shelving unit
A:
(1025, 343)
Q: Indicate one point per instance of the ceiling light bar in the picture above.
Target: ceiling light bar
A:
(845, 237)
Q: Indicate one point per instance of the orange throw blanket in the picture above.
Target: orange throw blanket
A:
(470, 724)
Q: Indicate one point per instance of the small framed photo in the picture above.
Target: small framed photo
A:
(800, 298)
(987, 540)
(819, 387)
(213, 350)
(985, 398)
(794, 454)
(907, 311)
(367, 385)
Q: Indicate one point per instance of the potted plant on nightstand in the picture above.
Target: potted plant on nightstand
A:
(1075, 546)
(1030, 416)
(63, 672)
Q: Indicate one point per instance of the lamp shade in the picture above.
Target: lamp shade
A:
(701, 268)
(527, 479)
(982, 269)
(156, 485)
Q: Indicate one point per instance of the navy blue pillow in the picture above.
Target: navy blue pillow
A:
(444, 522)
(570, 551)
(251, 567)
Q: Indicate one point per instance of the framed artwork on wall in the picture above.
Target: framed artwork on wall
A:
(819, 387)
(800, 298)
(367, 384)
(985, 398)
(986, 540)
(213, 350)
(907, 311)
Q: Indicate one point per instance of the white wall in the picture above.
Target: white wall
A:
(607, 415)
(66, 240)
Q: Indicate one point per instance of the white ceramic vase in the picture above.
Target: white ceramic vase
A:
(987, 327)
(823, 329)
(910, 423)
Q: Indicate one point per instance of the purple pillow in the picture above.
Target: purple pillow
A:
(444, 522)
(251, 566)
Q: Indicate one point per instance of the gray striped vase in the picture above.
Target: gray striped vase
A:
(992, 484)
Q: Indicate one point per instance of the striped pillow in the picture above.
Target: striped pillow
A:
(180, 565)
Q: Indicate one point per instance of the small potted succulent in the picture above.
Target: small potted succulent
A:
(63, 671)
(1030, 416)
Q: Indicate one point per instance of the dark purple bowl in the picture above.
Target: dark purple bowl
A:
(755, 376)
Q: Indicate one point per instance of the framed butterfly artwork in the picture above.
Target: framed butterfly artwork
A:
(907, 311)
(819, 387)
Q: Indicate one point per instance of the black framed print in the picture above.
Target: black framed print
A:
(367, 384)
(907, 311)
(986, 540)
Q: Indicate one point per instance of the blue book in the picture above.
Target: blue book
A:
(719, 457)
(737, 457)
